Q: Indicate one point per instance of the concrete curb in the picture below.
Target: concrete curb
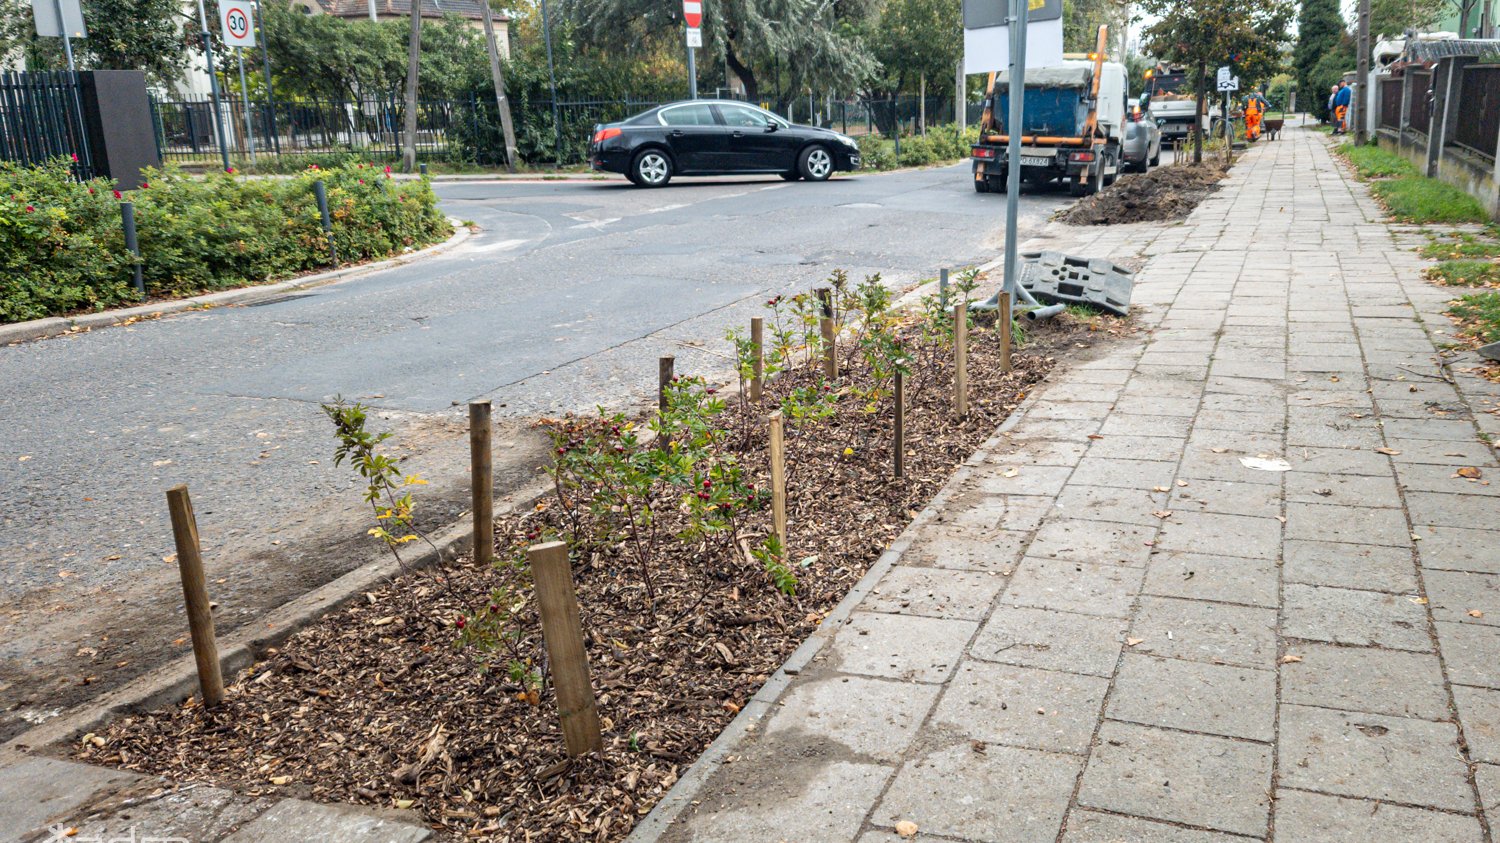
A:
(178, 679)
(53, 326)
(687, 789)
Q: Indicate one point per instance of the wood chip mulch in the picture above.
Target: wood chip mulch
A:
(377, 704)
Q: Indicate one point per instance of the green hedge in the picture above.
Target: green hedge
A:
(941, 144)
(62, 250)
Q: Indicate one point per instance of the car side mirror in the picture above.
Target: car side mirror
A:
(771, 127)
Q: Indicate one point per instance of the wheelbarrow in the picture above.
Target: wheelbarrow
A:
(1272, 128)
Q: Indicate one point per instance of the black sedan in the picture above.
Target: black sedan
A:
(715, 138)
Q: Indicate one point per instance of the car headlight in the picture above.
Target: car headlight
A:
(847, 141)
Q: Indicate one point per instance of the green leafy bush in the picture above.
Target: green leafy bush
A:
(916, 151)
(62, 250)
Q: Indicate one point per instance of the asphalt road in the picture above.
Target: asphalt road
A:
(562, 301)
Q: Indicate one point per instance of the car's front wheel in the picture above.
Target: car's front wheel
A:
(815, 164)
(651, 168)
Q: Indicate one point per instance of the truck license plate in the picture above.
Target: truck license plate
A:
(1029, 161)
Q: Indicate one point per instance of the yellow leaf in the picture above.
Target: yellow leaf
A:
(403, 804)
(414, 480)
(1290, 659)
(281, 780)
(907, 829)
(1131, 642)
(1420, 601)
(1468, 472)
(1475, 613)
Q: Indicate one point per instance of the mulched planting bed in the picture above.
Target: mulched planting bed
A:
(380, 704)
(1165, 193)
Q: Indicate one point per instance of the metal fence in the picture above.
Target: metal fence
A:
(1419, 109)
(1478, 127)
(468, 130)
(41, 118)
(1390, 103)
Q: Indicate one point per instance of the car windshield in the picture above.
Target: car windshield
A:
(688, 115)
(1170, 87)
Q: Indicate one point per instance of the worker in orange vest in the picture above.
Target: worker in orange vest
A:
(1255, 109)
(1341, 101)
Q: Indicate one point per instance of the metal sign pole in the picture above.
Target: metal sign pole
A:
(692, 70)
(265, 50)
(62, 26)
(245, 100)
(1013, 126)
(213, 86)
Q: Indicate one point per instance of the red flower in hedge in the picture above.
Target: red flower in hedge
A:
(91, 191)
(75, 158)
(229, 170)
(145, 185)
(119, 195)
(29, 209)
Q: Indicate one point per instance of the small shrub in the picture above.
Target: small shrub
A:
(877, 153)
(916, 151)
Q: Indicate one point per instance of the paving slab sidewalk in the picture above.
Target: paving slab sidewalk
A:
(1120, 626)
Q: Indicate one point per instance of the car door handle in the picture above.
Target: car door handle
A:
(737, 134)
(677, 133)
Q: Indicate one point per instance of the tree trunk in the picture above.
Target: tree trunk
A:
(413, 52)
(1198, 113)
(747, 76)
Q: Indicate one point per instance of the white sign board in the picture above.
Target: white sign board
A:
(694, 37)
(1224, 75)
(987, 37)
(237, 17)
(1230, 84)
(44, 12)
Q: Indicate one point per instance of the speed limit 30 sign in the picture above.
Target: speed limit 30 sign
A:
(237, 16)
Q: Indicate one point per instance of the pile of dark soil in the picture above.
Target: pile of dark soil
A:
(378, 704)
(1166, 193)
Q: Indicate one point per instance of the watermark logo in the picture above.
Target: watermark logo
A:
(67, 834)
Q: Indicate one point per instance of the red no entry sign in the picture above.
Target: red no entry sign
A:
(692, 11)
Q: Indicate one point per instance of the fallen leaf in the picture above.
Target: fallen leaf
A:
(23, 458)
(1323, 492)
(1420, 601)
(1290, 659)
(1468, 472)
(1011, 472)
(1181, 482)
(1160, 489)
(1220, 450)
(1475, 613)
(1131, 642)
(281, 780)
(1091, 436)
(1266, 464)
(388, 619)
(907, 829)
(1163, 513)
(403, 804)
(1281, 518)
(1390, 452)
(114, 557)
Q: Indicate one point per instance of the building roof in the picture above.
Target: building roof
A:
(1422, 49)
(471, 9)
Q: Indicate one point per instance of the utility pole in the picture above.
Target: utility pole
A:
(1013, 127)
(552, 81)
(413, 57)
(502, 102)
(1362, 71)
(960, 99)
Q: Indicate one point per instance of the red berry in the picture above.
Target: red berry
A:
(460, 622)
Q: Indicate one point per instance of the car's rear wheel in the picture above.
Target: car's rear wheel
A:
(791, 176)
(815, 164)
(1155, 159)
(651, 168)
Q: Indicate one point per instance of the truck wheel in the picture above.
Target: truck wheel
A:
(1109, 178)
(1000, 183)
(1077, 188)
(981, 185)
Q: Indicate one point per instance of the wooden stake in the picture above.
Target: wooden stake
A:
(664, 369)
(778, 479)
(562, 629)
(1005, 325)
(825, 298)
(663, 380)
(482, 478)
(830, 351)
(961, 359)
(900, 437)
(757, 339)
(195, 594)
